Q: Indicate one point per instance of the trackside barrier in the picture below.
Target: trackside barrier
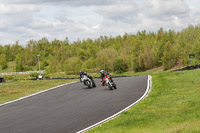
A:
(1, 79)
(20, 73)
(188, 68)
(78, 77)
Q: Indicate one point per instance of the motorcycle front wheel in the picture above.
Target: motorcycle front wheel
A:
(114, 85)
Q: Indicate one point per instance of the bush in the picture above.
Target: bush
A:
(194, 62)
(27, 68)
(35, 75)
(73, 65)
(9, 77)
(3, 62)
(120, 66)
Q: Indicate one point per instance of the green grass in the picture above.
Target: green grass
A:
(16, 89)
(173, 106)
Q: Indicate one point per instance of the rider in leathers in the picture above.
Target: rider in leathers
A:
(103, 74)
(81, 74)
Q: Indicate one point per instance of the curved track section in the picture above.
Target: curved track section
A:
(70, 108)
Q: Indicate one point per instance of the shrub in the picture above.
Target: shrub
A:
(35, 75)
(120, 66)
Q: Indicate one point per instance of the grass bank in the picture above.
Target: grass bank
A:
(172, 106)
(16, 89)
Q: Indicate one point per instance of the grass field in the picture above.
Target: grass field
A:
(16, 89)
(173, 106)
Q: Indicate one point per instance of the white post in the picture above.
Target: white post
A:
(40, 76)
(39, 62)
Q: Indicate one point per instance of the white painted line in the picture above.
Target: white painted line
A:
(36, 93)
(149, 81)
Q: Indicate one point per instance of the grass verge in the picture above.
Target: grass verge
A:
(16, 89)
(172, 106)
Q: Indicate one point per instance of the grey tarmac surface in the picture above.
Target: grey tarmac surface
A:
(70, 108)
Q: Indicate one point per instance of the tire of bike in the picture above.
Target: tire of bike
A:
(114, 85)
(88, 83)
(110, 85)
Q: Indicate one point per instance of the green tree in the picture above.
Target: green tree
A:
(30, 53)
(73, 65)
(14, 50)
(106, 59)
(19, 63)
(134, 52)
(196, 48)
(120, 66)
(90, 64)
(146, 58)
(169, 58)
(53, 65)
(3, 61)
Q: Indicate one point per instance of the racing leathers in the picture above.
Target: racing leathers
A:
(102, 78)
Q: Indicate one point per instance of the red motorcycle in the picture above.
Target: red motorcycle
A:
(109, 82)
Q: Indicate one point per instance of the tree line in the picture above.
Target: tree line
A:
(138, 52)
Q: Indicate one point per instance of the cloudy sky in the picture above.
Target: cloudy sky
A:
(24, 20)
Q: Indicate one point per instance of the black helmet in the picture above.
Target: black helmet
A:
(81, 71)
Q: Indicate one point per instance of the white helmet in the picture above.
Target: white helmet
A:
(102, 71)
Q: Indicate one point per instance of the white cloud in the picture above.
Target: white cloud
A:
(65, 2)
(165, 8)
(33, 19)
(9, 9)
(119, 11)
(96, 27)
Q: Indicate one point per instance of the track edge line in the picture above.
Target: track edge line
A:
(31, 95)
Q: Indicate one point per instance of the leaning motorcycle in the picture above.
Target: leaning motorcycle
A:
(109, 82)
(87, 81)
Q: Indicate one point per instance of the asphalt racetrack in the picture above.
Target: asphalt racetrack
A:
(70, 108)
